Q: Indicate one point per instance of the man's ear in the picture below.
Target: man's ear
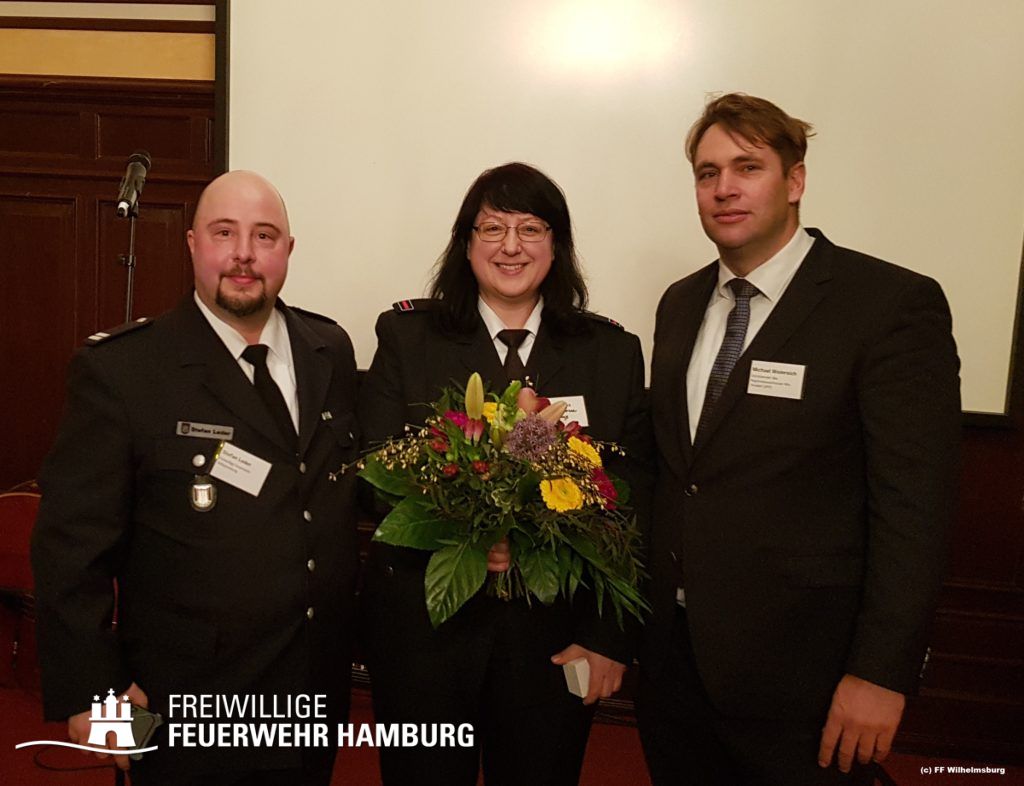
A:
(190, 238)
(795, 180)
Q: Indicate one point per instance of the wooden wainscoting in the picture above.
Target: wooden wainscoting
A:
(64, 143)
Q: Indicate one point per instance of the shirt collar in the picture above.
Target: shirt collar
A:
(274, 333)
(772, 277)
(494, 324)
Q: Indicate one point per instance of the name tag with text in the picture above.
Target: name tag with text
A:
(782, 380)
(240, 468)
(575, 409)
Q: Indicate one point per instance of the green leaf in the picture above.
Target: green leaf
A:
(412, 524)
(391, 481)
(621, 489)
(454, 575)
(527, 486)
(540, 571)
(575, 575)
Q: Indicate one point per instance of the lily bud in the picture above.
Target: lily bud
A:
(553, 412)
(527, 400)
(475, 397)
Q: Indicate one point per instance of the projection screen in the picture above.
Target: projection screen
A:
(374, 118)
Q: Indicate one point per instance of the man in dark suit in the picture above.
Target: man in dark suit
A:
(194, 469)
(806, 407)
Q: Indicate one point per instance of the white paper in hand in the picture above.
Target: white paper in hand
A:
(577, 676)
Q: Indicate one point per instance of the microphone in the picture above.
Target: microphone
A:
(132, 184)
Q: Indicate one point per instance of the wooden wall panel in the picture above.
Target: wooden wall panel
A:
(162, 261)
(37, 320)
(63, 148)
(972, 695)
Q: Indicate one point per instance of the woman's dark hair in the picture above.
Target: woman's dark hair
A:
(512, 188)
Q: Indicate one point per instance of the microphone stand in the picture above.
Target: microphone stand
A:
(128, 260)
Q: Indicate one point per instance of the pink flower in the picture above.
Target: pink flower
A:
(528, 401)
(450, 470)
(460, 419)
(570, 429)
(473, 429)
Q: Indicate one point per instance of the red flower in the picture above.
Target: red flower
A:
(605, 487)
(481, 467)
(473, 429)
(460, 419)
(440, 445)
(571, 429)
(450, 470)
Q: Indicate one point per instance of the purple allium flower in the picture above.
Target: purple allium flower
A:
(530, 438)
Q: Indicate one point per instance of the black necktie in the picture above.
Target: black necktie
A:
(732, 347)
(514, 368)
(270, 392)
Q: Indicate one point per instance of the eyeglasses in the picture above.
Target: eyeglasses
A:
(494, 232)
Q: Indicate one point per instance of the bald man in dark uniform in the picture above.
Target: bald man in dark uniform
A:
(193, 468)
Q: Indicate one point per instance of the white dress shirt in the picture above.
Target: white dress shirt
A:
(494, 324)
(771, 278)
(279, 358)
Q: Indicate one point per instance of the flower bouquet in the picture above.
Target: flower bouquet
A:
(489, 467)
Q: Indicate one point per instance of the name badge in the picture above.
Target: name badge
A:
(187, 428)
(782, 380)
(575, 409)
(239, 468)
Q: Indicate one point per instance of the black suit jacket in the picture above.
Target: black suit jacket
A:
(415, 359)
(809, 534)
(209, 602)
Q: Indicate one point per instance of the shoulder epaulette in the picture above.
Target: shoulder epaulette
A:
(606, 320)
(111, 333)
(313, 315)
(416, 304)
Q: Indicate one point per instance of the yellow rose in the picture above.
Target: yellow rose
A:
(588, 451)
(490, 410)
(561, 494)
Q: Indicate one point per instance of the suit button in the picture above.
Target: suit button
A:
(691, 490)
(309, 613)
(311, 565)
(389, 571)
(307, 515)
(302, 467)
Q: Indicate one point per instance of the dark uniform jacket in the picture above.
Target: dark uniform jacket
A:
(415, 359)
(253, 596)
(809, 534)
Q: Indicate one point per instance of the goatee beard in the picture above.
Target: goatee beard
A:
(242, 306)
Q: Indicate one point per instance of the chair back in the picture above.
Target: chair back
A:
(18, 510)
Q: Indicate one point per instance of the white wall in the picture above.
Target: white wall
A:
(374, 118)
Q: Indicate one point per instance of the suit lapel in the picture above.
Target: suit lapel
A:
(678, 334)
(805, 291)
(477, 353)
(546, 359)
(222, 376)
(312, 375)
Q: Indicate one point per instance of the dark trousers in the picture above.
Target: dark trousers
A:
(317, 767)
(687, 741)
(489, 666)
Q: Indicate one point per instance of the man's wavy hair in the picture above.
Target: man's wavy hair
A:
(756, 120)
(512, 188)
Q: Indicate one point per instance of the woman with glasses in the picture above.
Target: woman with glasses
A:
(507, 300)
